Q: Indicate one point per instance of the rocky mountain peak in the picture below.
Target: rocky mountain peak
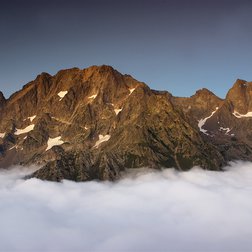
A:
(199, 105)
(93, 123)
(102, 71)
(94, 78)
(204, 92)
(240, 96)
(204, 97)
(43, 76)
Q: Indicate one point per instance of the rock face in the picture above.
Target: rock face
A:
(94, 123)
(2, 100)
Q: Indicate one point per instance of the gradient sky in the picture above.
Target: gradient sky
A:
(179, 46)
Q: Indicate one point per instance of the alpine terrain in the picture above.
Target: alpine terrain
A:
(95, 123)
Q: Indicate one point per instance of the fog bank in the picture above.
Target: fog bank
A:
(155, 211)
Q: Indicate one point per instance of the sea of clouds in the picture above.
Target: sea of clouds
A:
(147, 211)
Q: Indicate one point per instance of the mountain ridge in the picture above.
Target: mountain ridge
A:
(93, 123)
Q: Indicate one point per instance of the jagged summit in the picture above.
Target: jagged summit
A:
(93, 123)
(67, 78)
(240, 96)
(204, 92)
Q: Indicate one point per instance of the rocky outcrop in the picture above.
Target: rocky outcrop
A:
(94, 123)
(240, 97)
(2, 100)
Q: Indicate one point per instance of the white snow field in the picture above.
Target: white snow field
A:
(238, 115)
(203, 121)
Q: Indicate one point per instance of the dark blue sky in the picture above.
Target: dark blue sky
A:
(179, 46)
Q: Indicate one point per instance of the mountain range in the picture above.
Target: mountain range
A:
(94, 123)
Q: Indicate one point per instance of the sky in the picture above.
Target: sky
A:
(179, 46)
(174, 211)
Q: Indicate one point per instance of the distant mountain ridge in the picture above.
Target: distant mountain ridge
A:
(96, 122)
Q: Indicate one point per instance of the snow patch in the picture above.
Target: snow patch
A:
(203, 121)
(101, 140)
(92, 96)
(2, 135)
(16, 147)
(62, 94)
(25, 130)
(53, 141)
(132, 90)
(13, 147)
(225, 129)
(238, 115)
(117, 111)
(31, 118)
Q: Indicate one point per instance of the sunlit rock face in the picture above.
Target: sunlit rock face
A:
(225, 123)
(94, 123)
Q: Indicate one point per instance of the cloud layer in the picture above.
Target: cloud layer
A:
(148, 211)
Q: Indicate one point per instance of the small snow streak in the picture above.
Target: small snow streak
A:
(54, 141)
(117, 111)
(2, 135)
(92, 96)
(238, 115)
(61, 94)
(31, 118)
(25, 130)
(203, 121)
(13, 147)
(225, 129)
(101, 140)
(132, 90)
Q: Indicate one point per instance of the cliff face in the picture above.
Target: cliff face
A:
(94, 123)
(239, 96)
(2, 100)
